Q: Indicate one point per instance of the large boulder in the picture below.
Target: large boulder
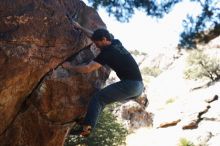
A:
(39, 100)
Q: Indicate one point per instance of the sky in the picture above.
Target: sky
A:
(145, 33)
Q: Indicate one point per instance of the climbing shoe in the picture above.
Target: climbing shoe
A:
(82, 130)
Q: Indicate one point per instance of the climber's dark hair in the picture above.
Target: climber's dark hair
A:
(100, 33)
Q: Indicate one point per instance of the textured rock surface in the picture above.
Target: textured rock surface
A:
(180, 111)
(132, 113)
(38, 98)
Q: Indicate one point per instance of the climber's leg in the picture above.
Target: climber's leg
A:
(119, 91)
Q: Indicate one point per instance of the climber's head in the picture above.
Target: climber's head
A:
(101, 37)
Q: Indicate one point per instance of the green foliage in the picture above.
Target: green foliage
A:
(153, 71)
(201, 65)
(197, 29)
(107, 133)
(201, 28)
(170, 100)
(185, 142)
(124, 9)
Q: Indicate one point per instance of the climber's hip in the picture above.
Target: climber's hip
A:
(119, 91)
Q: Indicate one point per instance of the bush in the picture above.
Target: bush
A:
(107, 133)
(185, 142)
(153, 71)
(170, 100)
(201, 65)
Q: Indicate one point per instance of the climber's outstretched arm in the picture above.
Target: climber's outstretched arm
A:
(82, 68)
(85, 30)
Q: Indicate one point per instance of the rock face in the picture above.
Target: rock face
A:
(39, 100)
(134, 116)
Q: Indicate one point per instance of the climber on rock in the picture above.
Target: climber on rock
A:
(118, 59)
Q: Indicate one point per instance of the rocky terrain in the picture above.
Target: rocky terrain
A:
(179, 109)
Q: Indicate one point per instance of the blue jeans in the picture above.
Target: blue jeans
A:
(119, 91)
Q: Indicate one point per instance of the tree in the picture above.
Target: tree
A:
(202, 65)
(108, 132)
(200, 29)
